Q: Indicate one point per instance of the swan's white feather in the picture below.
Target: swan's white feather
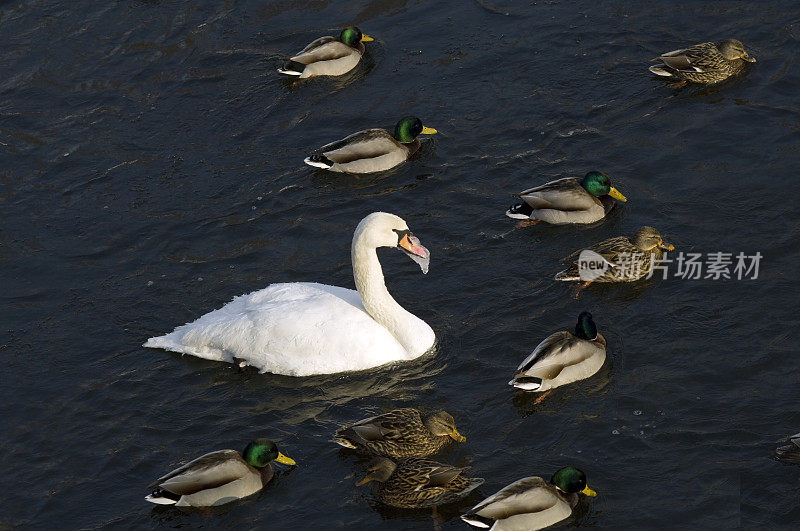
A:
(296, 329)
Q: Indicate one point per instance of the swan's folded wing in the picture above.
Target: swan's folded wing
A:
(206, 472)
(368, 144)
(323, 49)
(295, 329)
(563, 194)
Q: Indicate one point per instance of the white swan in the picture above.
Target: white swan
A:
(304, 328)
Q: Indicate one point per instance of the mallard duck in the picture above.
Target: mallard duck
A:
(568, 201)
(373, 149)
(563, 358)
(791, 452)
(531, 503)
(705, 63)
(417, 482)
(219, 477)
(328, 56)
(623, 259)
(400, 433)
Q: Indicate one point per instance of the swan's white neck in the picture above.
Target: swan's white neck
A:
(410, 331)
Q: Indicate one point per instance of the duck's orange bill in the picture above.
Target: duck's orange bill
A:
(457, 436)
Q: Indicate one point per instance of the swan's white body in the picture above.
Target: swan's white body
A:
(303, 328)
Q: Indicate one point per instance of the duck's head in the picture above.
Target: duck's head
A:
(442, 424)
(379, 470)
(731, 49)
(598, 184)
(570, 480)
(381, 229)
(351, 36)
(585, 328)
(261, 452)
(409, 128)
(647, 238)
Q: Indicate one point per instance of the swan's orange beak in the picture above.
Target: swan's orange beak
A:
(413, 248)
(411, 244)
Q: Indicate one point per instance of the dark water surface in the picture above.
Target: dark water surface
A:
(152, 170)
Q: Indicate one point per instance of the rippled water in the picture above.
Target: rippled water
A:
(152, 170)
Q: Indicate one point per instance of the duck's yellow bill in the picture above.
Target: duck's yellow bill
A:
(285, 460)
(589, 492)
(428, 130)
(366, 38)
(363, 481)
(616, 194)
(666, 246)
(457, 436)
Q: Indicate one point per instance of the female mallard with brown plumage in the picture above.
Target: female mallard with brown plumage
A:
(626, 259)
(372, 150)
(705, 63)
(563, 358)
(417, 482)
(400, 433)
(568, 201)
(531, 503)
(219, 477)
(790, 453)
(328, 56)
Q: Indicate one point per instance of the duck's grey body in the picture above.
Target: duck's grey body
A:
(630, 259)
(419, 482)
(367, 151)
(399, 433)
(527, 504)
(565, 201)
(705, 63)
(560, 359)
(212, 479)
(327, 56)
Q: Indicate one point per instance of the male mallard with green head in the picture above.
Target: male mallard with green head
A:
(531, 503)
(417, 482)
(400, 433)
(568, 201)
(328, 56)
(705, 63)
(219, 477)
(373, 149)
(563, 358)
